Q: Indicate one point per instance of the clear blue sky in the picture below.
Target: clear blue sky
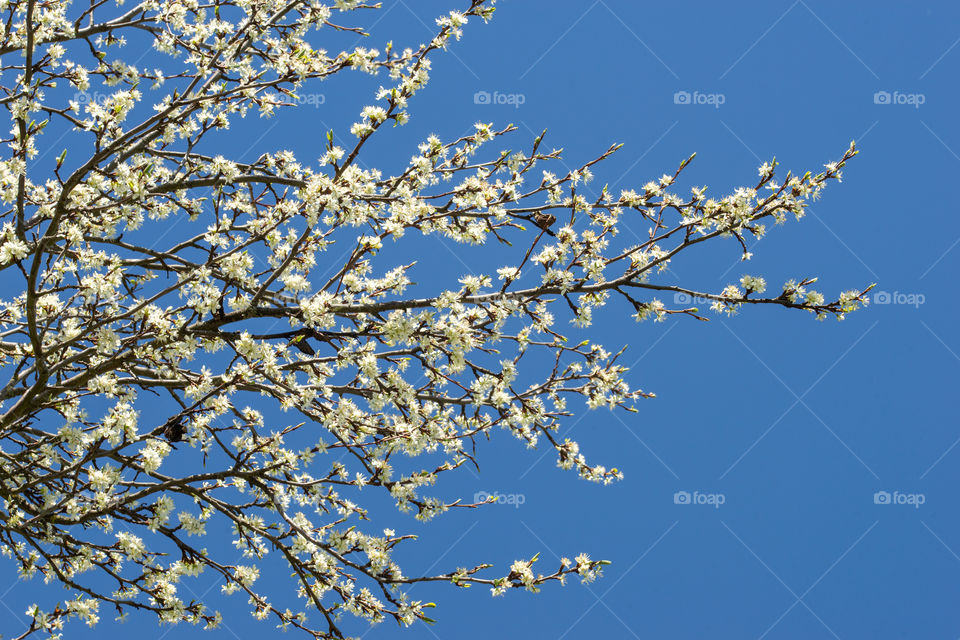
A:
(797, 423)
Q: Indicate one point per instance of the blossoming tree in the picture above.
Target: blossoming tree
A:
(226, 320)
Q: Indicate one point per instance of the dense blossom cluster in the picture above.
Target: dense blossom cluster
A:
(231, 317)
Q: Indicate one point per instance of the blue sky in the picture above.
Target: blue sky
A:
(796, 425)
